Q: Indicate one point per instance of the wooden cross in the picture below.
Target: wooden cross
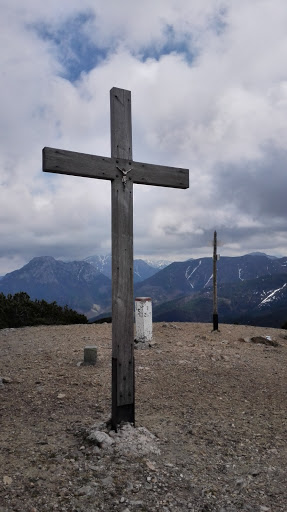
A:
(123, 173)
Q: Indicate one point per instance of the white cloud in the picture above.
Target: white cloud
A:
(215, 101)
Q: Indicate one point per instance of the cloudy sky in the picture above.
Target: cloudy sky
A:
(209, 93)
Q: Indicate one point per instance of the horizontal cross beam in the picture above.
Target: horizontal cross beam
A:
(80, 164)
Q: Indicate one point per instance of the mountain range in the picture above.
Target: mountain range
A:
(142, 269)
(251, 288)
(77, 284)
(83, 285)
(188, 277)
(261, 301)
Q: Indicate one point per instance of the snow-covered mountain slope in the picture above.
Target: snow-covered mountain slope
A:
(142, 269)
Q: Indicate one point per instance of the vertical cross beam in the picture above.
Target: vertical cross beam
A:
(123, 387)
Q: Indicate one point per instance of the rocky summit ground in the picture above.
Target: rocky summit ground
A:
(210, 430)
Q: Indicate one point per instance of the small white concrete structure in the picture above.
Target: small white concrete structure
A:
(143, 317)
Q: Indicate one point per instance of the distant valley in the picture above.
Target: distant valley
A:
(252, 289)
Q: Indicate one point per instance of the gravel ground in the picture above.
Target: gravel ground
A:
(210, 422)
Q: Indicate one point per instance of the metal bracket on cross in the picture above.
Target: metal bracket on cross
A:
(124, 173)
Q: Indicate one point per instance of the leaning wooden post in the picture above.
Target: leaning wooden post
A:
(215, 257)
(123, 399)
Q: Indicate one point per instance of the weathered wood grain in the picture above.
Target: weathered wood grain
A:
(159, 175)
(90, 166)
(72, 163)
(122, 289)
(121, 123)
(122, 263)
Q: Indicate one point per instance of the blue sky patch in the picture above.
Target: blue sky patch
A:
(172, 44)
(72, 46)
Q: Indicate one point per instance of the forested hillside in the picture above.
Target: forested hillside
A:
(19, 310)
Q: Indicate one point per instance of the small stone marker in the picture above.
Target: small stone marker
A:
(90, 355)
(143, 316)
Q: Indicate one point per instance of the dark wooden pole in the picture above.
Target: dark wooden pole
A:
(123, 399)
(215, 310)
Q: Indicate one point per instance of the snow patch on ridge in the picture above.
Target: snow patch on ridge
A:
(271, 296)
(188, 276)
(208, 281)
